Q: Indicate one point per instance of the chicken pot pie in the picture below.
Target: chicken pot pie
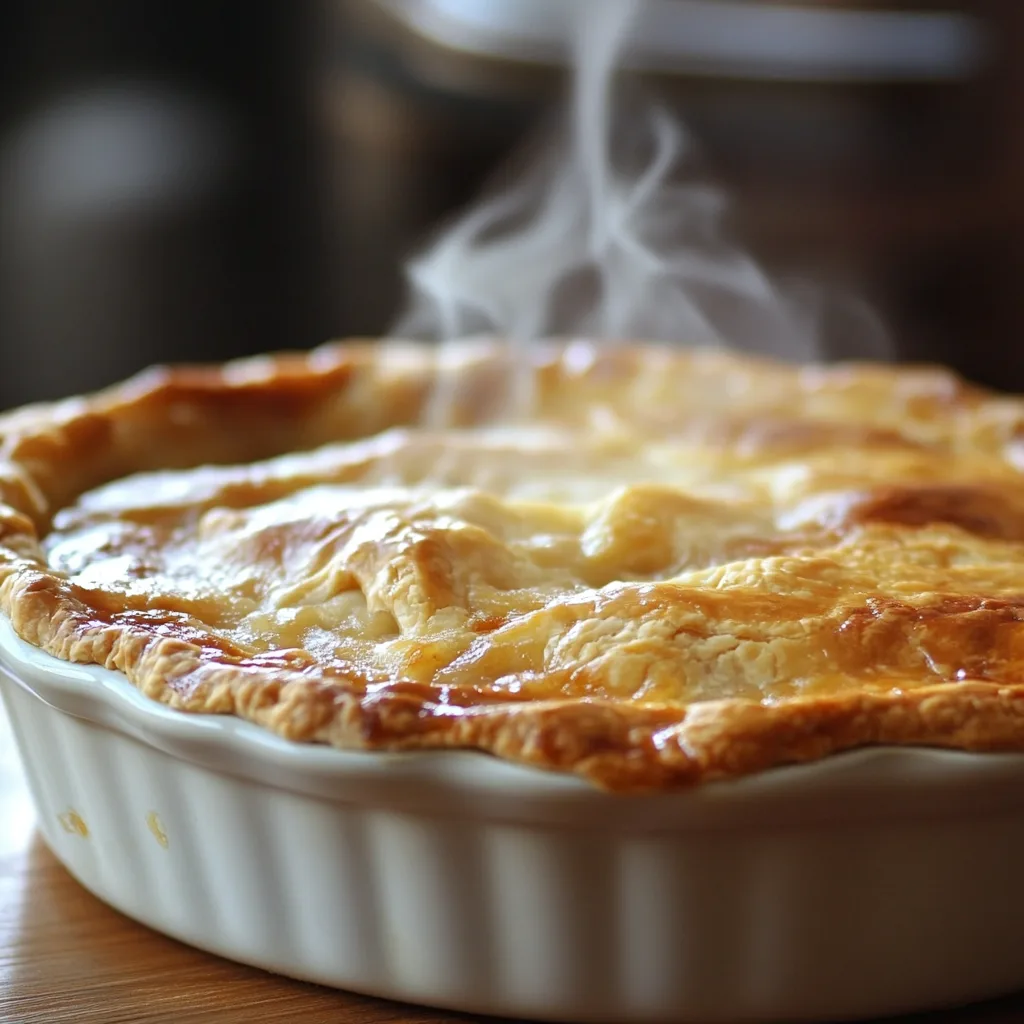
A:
(646, 566)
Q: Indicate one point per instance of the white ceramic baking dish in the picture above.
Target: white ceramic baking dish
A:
(871, 883)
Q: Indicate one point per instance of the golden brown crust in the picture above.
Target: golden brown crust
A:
(685, 566)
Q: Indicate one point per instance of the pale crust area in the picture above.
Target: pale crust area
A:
(655, 568)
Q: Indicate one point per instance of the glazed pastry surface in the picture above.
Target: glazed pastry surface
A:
(649, 567)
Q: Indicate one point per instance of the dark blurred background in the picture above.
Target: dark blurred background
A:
(197, 180)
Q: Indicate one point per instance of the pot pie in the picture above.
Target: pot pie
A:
(647, 566)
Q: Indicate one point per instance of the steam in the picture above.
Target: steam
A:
(607, 234)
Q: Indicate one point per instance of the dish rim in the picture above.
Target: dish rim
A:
(870, 783)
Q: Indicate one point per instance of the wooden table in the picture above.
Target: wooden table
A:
(65, 957)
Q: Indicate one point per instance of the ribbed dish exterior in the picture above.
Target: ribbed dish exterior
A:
(587, 917)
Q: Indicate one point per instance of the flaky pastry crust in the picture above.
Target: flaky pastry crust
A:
(646, 566)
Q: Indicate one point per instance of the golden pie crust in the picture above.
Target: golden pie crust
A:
(647, 566)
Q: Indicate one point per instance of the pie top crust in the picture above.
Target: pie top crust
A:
(658, 567)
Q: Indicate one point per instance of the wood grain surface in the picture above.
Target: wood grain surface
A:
(66, 958)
